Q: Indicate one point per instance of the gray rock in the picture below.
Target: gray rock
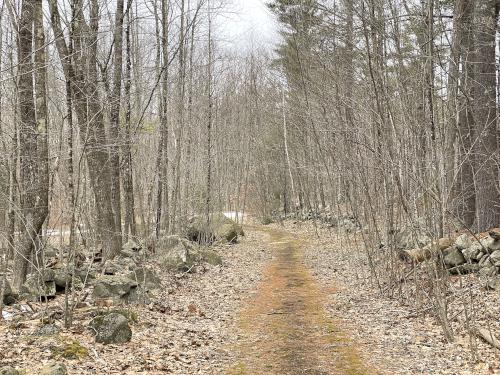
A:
(484, 262)
(493, 244)
(472, 254)
(494, 284)
(145, 277)
(174, 252)
(50, 252)
(488, 271)
(211, 257)
(116, 287)
(131, 245)
(220, 228)
(495, 257)
(174, 243)
(118, 265)
(85, 273)
(411, 236)
(62, 275)
(8, 298)
(8, 371)
(463, 242)
(48, 330)
(37, 287)
(454, 258)
(464, 269)
(112, 329)
(47, 274)
(54, 369)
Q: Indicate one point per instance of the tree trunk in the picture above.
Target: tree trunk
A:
(162, 201)
(33, 133)
(485, 117)
(181, 86)
(209, 120)
(114, 130)
(128, 182)
(462, 191)
(89, 112)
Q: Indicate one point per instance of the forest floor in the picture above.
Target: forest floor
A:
(287, 300)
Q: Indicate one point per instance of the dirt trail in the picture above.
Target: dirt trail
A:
(284, 329)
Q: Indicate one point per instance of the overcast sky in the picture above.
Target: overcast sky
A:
(247, 23)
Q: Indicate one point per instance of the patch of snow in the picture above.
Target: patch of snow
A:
(6, 315)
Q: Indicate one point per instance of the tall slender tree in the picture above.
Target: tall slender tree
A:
(485, 116)
(33, 135)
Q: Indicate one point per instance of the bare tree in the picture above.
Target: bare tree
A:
(33, 135)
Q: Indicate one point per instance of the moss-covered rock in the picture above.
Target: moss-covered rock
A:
(130, 315)
(211, 257)
(112, 328)
(220, 228)
(71, 350)
(266, 220)
(175, 253)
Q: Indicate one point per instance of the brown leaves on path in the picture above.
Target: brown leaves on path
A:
(284, 329)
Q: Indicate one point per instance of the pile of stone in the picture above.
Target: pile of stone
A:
(176, 253)
(122, 279)
(463, 255)
(45, 283)
(474, 255)
(347, 222)
(125, 279)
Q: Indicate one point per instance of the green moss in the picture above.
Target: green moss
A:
(211, 257)
(266, 220)
(72, 350)
(238, 369)
(130, 315)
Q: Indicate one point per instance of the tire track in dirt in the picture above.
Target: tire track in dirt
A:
(284, 329)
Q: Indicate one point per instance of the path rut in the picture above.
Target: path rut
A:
(284, 328)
